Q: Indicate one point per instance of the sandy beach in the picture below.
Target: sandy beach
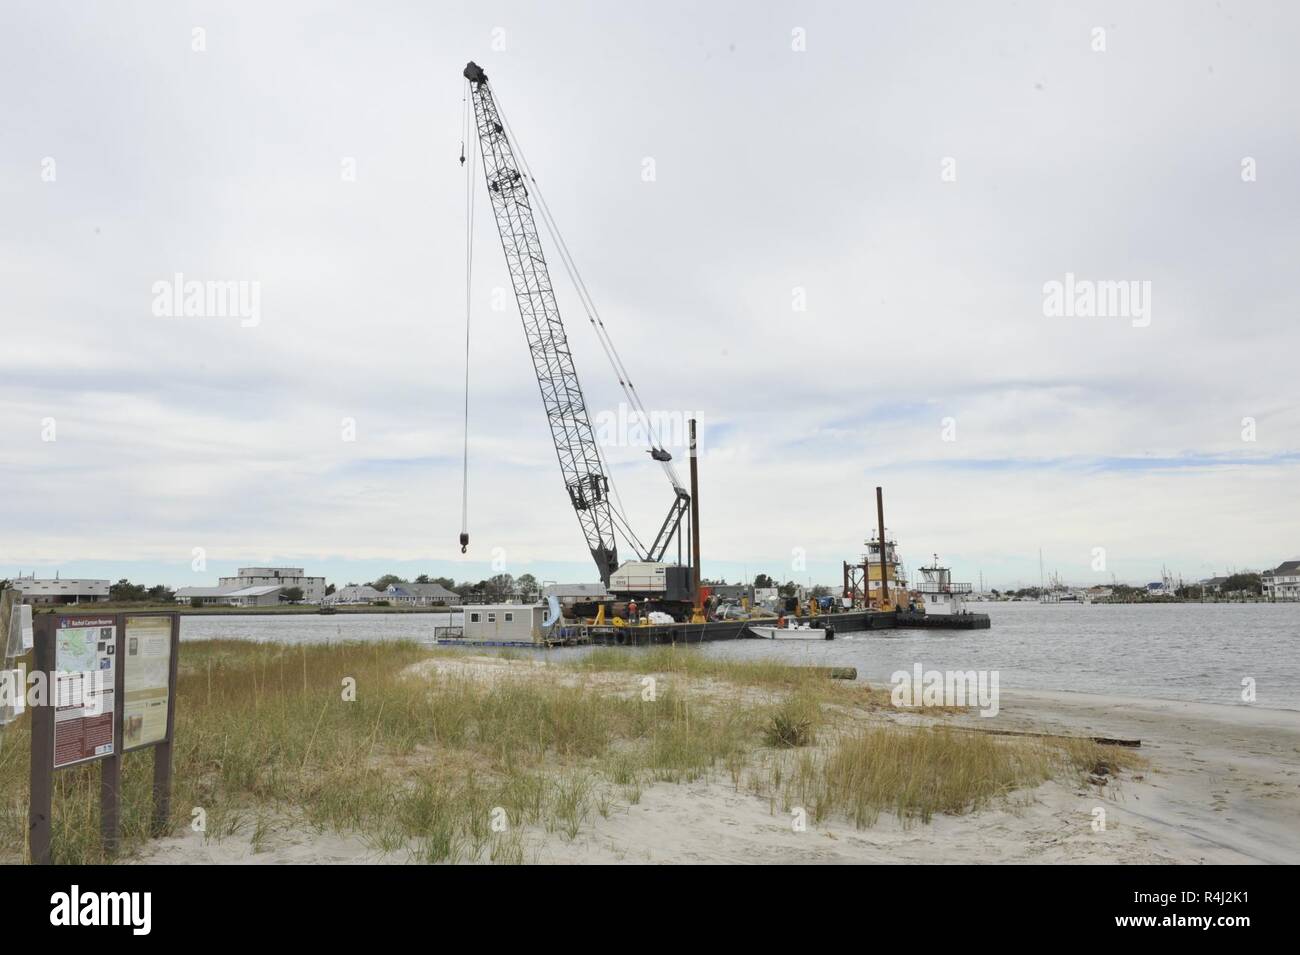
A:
(1221, 784)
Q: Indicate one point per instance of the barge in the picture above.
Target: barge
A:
(649, 634)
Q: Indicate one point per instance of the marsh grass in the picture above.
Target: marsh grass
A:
(916, 773)
(423, 765)
(692, 662)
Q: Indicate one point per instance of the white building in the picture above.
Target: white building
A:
(353, 594)
(313, 588)
(256, 587)
(1282, 582)
(420, 595)
(503, 623)
(228, 596)
(61, 590)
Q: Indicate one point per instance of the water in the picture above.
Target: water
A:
(1197, 652)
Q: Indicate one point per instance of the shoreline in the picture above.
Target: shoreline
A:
(1217, 784)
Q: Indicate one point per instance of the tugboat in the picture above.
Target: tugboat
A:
(862, 586)
(939, 594)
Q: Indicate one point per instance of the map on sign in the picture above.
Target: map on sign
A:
(76, 650)
(85, 655)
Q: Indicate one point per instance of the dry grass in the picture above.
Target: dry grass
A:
(432, 767)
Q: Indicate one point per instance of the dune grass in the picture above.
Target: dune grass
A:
(447, 767)
(915, 773)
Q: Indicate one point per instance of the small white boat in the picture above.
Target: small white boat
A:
(793, 632)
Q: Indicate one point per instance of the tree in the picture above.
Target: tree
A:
(125, 591)
(789, 589)
(526, 584)
(499, 586)
(444, 581)
(382, 583)
(292, 594)
(329, 590)
(162, 594)
(1242, 584)
(763, 582)
(422, 579)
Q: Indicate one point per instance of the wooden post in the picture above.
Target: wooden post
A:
(110, 767)
(40, 803)
(695, 521)
(880, 517)
(162, 752)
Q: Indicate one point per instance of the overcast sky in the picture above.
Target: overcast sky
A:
(914, 175)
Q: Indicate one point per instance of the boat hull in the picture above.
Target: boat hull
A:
(789, 633)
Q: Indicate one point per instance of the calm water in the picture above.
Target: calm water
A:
(1178, 652)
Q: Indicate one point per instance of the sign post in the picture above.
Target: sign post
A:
(110, 687)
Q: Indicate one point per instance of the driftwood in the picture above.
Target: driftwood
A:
(833, 673)
(1101, 740)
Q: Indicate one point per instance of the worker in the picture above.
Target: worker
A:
(632, 611)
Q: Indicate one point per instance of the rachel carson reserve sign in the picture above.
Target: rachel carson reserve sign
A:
(83, 685)
(110, 687)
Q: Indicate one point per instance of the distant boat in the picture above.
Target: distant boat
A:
(793, 632)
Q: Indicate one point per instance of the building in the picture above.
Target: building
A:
(313, 588)
(61, 590)
(1282, 582)
(255, 587)
(353, 594)
(1212, 585)
(228, 596)
(503, 623)
(420, 595)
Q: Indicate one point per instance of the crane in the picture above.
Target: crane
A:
(585, 476)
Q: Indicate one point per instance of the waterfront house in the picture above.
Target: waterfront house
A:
(1282, 582)
(420, 595)
(354, 594)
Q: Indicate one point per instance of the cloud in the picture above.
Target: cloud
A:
(781, 177)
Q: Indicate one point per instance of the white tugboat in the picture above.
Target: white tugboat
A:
(862, 580)
(941, 595)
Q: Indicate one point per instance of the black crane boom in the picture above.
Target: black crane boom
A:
(566, 409)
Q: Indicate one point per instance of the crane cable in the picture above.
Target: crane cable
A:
(469, 281)
(589, 305)
(617, 510)
(619, 520)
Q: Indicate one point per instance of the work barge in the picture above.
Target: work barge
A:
(650, 599)
(622, 634)
(852, 621)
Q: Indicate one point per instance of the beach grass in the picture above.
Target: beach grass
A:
(440, 764)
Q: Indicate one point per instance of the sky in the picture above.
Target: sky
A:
(828, 230)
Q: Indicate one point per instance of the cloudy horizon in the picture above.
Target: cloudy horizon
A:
(1027, 267)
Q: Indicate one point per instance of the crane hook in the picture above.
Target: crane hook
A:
(464, 542)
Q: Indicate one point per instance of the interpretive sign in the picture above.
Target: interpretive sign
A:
(84, 682)
(147, 680)
(111, 682)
